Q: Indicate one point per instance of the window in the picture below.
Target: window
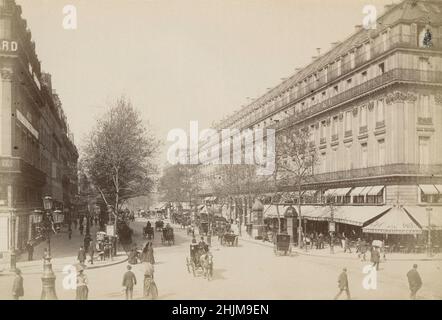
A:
(424, 151)
(364, 155)
(323, 163)
(381, 152)
(336, 89)
(323, 128)
(3, 195)
(335, 127)
(380, 113)
(363, 117)
(348, 158)
(324, 95)
(348, 121)
(312, 133)
(352, 60)
(349, 81)
(364, 76)
(424, 107)
(381, 68)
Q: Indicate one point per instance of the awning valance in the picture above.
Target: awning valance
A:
(428, 189)
(420, 214)
(395, 221)
(312, 213)
(374, 191)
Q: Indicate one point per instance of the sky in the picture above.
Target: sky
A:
(180, 60)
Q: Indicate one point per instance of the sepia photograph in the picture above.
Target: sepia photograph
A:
(228, 150)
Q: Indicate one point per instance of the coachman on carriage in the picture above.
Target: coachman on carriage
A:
(200, 260)
(159, 225)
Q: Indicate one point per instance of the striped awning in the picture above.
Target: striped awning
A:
(329, 192)
(395, 221)
(374, 191)
(420, 214)
(357, 191)
(355, 215)
(342, 192)
(271, 211)
(428, 189)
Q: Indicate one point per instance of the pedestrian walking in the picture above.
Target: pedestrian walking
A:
(150, 287)
(129, 281)
(87, 241)
(91, 253)
(17, 287)
(82, 285)
(343, 284)
(81, 229)
(70, 233)
(414, 281)
(30, 249)
(81, 255)
(150, 256)
(347, 245)
(375, 257)
(362, 249)
(76, 223)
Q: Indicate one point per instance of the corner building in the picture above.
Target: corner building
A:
(373, 106)
(37, 154)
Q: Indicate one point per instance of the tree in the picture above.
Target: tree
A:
(295, 160)
(178, 184)
(119, 155)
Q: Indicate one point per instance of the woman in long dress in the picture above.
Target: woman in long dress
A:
(150, 256)
(150, 288)
(82, 289)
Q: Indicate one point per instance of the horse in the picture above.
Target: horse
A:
(206, 262)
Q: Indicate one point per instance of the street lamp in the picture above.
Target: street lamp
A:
(48, 278)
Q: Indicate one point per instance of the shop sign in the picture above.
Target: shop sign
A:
(110, 230)
(8, 46)
(331, 227)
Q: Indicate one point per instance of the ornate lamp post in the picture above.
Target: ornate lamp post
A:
(48, 278)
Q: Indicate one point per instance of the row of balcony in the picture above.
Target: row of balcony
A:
(394, 75)
(332, 73)
(379, 171)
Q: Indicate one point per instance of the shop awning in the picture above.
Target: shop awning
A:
(374, 191)
(329, 192)
(313, 213)
(342, 192)
(357, 191)
(439, 187)
(395, 221)
(428, 189)
(270, 211)
(420, 214)
(355, 215)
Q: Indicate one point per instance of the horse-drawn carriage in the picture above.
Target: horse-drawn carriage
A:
(229, 239)
(282, 244)
(200, 260)
(204, 228)
(148, 232)
(167, 236)
(159, 225)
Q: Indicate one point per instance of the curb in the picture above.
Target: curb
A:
(301, 252)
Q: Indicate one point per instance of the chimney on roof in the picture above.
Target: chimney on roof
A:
(319, 51)
(335, 44)
(358, 27)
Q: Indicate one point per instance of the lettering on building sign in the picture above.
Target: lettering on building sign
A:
(8, 46)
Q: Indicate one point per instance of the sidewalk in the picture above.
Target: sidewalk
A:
(340, 254)
(64, 252)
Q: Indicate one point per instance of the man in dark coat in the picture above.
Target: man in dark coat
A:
(414, 281)
(30, 249)
(91, 252)
(129, 280)
(343, 284)
(17, 288)
(81, 255)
